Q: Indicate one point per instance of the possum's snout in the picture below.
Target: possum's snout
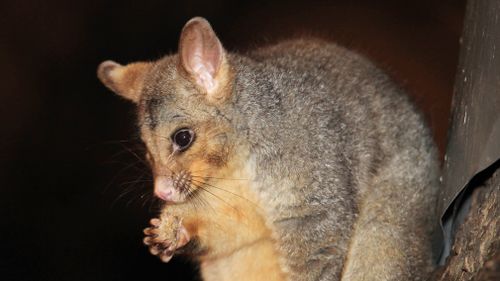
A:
(172, 189)
(164, 188)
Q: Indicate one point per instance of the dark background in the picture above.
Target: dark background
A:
(73, 195)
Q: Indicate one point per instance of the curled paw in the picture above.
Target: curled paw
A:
(164, 236)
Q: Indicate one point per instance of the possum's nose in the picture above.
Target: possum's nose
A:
(164, 189)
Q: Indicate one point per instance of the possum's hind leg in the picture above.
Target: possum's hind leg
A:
(391, 239)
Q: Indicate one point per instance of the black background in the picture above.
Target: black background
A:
(73, 195)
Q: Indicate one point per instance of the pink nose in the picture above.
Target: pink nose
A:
(164, 188)
(164, 194)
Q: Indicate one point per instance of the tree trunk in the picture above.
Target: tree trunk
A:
(475, 254)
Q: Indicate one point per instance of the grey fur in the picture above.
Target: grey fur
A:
(322, 116)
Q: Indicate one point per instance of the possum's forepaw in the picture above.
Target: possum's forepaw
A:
(164, 236)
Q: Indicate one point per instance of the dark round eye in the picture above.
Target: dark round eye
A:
(183, 138)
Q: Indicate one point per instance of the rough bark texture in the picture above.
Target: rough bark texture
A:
(475, 254)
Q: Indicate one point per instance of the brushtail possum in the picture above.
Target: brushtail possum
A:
(296, 161)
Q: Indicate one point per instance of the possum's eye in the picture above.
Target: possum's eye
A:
(182, 139)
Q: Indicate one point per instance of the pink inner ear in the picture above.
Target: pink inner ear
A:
(201, 53)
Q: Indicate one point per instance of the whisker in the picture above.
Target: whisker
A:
(215, 195)
(145, 197)
(136, 198)
(208, 177)
(131, 187)
(138, 180)
(113, 179)
(196, 200)
(222, 189)
(109, 142)
(205, 204)
(135, 181)
(135, 155)
(156, 202)
(127, 191)
(233, 207)
(118, 141)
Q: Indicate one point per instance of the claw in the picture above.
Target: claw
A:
(147, 241)
(155, 222)
(147, 231)
(166, 258)
(154, 250)
(164, 246)
(150, 231)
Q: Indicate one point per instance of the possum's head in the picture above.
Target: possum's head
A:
(180, 101)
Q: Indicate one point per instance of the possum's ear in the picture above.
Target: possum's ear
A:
(203, 59)
(125, 81)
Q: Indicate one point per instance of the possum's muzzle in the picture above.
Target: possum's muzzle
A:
(173, 188)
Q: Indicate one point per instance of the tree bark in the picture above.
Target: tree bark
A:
(475, 254)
